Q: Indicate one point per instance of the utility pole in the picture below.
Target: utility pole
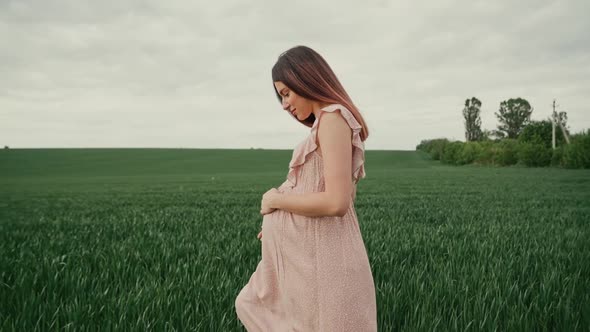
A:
(556, 119)
(553, 126)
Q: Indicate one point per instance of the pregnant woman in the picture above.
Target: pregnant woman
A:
(314, 274)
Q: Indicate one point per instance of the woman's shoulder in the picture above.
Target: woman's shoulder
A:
(331, 111)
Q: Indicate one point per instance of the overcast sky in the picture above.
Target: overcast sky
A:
(197, 74)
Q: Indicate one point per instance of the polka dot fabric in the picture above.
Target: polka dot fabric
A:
(314, 274)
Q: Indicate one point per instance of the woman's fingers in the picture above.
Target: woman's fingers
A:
(259, 236)
(266, 211)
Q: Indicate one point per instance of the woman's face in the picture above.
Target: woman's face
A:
(298, 106)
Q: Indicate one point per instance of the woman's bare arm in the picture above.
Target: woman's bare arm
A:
(335, 139)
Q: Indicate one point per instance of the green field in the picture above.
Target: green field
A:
(164, 239)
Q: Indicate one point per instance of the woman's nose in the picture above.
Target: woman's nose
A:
(285, 105)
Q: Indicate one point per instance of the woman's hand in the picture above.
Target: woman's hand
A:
(269, 200)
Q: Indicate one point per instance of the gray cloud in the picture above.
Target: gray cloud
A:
(195, 74)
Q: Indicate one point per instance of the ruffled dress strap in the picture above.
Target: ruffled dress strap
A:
(309, 145)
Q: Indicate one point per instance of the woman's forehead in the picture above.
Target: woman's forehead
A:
(280, 87)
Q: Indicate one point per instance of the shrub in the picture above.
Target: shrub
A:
(507, 153)
(434, 147)
(487, 153)
(450, 152)
(437, 148)
(577, 154)
(470, 151)
(534, 154)
(557, 158)
(540, 132)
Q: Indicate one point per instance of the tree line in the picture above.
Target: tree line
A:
(516, 140)
(513, 116)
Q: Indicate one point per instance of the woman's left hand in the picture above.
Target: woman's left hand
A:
(269, 200)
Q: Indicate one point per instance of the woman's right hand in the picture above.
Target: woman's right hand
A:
(259, 236)
(267, 211)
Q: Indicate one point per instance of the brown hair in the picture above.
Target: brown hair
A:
(305, 72)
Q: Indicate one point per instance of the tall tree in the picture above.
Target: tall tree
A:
(472, 120)
(540, 132)
(562, 117)
(514, 114)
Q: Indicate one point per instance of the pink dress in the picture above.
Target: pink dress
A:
(314, 274)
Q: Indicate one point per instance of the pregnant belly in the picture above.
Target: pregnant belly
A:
(272, 223)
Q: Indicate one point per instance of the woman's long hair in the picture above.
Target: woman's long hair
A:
(304, 71)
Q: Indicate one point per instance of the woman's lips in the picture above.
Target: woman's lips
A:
(293, 112)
